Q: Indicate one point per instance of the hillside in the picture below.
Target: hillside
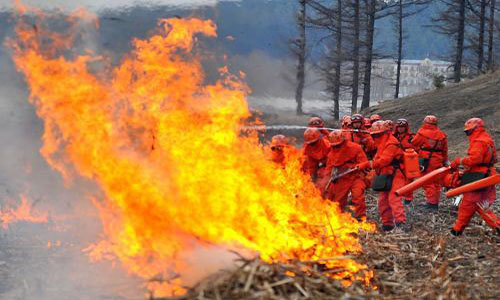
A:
(453, 105)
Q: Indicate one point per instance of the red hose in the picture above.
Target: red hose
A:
(432, 176)
(486, 182)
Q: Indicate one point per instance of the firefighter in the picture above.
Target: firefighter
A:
(403, 134)
(279, 147)
(367, 123)
(479, 163)
(345, 155)
(315, 153)
(317, 122)
(346, 122)
(359, 137)
(390, 125)
(389, 176)
(374, 118)
(432, 146)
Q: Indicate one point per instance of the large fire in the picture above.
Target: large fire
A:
(165, 147)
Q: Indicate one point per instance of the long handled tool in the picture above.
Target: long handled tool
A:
(476, 185)
(336, 176)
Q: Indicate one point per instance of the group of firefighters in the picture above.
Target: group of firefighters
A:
(370, 152)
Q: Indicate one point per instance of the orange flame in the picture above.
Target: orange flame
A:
(21, 213)
(165, 148)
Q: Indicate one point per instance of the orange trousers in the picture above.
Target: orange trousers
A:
(469, 207)
(355, 184)
(433, 190)
(390, 206)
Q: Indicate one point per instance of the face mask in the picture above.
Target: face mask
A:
(468, 132)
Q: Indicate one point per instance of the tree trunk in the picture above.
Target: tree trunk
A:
(491, 33)
(355, 58)
(338, 62)
(302, 57)
(370, 30)
(460, 42)
(400, 49)
(480, 46)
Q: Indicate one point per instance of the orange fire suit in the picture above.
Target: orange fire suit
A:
(315, 158)
(389, 155)
(340, 159)
(364, 140)
(405, 140)
(481, 158)
(432, 144)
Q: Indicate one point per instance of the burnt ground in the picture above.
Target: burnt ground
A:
(427, 262)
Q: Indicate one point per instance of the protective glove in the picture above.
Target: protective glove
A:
(364, 165)
(455, 164)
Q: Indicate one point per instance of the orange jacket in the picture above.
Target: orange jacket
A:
(363, 139)
(430, 139)
(389, 152)
(482, 153)
(315, 156)
(405, 139)
(347, 156)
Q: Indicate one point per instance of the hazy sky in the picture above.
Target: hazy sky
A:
(98, 4)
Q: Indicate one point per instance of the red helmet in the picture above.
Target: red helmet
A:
(389, 124)
(402, 123)
(375, 117)
(316, 122)
(357, 118)
(431, 120)
(473, 123)
(367, 123)
(278, 141)
(336, 137)
(312, 135)
(346, 121)
(379, 127)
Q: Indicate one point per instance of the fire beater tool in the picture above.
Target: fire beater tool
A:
(336, 176)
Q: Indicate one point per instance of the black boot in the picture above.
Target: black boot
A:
(387, 228)
(456, 233)
(431, 206)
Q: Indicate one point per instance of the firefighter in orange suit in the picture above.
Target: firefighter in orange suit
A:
(479, 163)
(432, 146)
(345, 155)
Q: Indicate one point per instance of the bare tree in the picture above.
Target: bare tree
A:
(371, 9)
(355, 57)
(451, 21)
(491, 33)
(299, 50)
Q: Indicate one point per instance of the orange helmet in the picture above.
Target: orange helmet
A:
(336, 138)
(367, 123)
(357, 118)
(278, 142)
(316, 122)
(431, 120)
(311, 135)
(379, 127)
(473, 123)
(374, 118)
(389, 124)
(346, 121)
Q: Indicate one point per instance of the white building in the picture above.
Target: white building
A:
(416, 76)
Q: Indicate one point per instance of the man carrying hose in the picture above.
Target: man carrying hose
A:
(389, 176)
(478, 164)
